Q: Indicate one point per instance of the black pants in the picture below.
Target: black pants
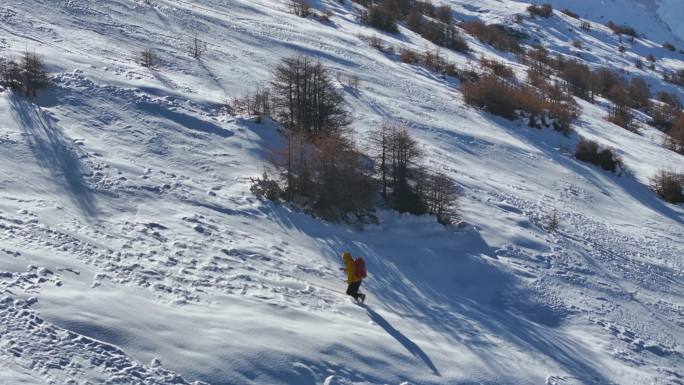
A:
(353, 289)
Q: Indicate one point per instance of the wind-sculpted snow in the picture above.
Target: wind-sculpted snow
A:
(128, 233)
(32, 345)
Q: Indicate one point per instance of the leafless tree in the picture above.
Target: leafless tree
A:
(380, 142)
(34, 74)
(197, 47)
(342, 182)
(10, 75)
(149, 58)
(256, 104)
(553, 221)
(441, 197)
(304, 97)
(397, 157)
(620, 112)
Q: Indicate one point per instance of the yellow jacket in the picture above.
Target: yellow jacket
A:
(349, 268)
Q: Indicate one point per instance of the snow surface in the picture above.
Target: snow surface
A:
(131, 250)
(658, 20)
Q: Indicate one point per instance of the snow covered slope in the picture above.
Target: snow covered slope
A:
(658, 20)
(131, 250)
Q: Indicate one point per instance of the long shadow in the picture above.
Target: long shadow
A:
(444, 281)
(411, 346)
(213, 77)
(53, 153)
(489, 302)
(189, 122)
(641, 193)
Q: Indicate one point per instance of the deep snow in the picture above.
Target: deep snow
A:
(131, 249)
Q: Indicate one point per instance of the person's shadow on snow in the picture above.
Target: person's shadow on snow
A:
(402, 339)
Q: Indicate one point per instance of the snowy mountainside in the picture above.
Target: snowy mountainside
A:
(656, 19)
(131, 250)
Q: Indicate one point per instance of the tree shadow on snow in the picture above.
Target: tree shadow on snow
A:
(626, 182)
(53, 152)
(186, 121)
(445, 279)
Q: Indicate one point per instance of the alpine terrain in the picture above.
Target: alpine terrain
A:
(179, 180)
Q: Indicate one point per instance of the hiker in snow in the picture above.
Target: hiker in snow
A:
(356, 272)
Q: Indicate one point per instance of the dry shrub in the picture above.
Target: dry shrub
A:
(623, 120)
(675, 138)
(441, 33)
(376, 43)
(668, 112)
(505, 99)
(495, 35)
(537, 59)
(467, 75)
(491, 94)
(588, 151)
(444, 14)
(620, 113)
(340, 181)
(639, 93)
(676, 77)
(425, 7)
(265, 188)
(256, 105)
(668, 185)
(414, 20)
(430, 59)
(622, 29)
(544, 10)
(638, 63)
(570, 13)
(497, 68)
(669, 98)
(381, 17)
(444, 35)
(327, 175)
(664, 115)
(578, 78)
(398, 8)
(409, 56)
(605, 80)
(433, 60)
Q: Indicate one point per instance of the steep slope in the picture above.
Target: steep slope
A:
(655, 19)
(129, 236)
